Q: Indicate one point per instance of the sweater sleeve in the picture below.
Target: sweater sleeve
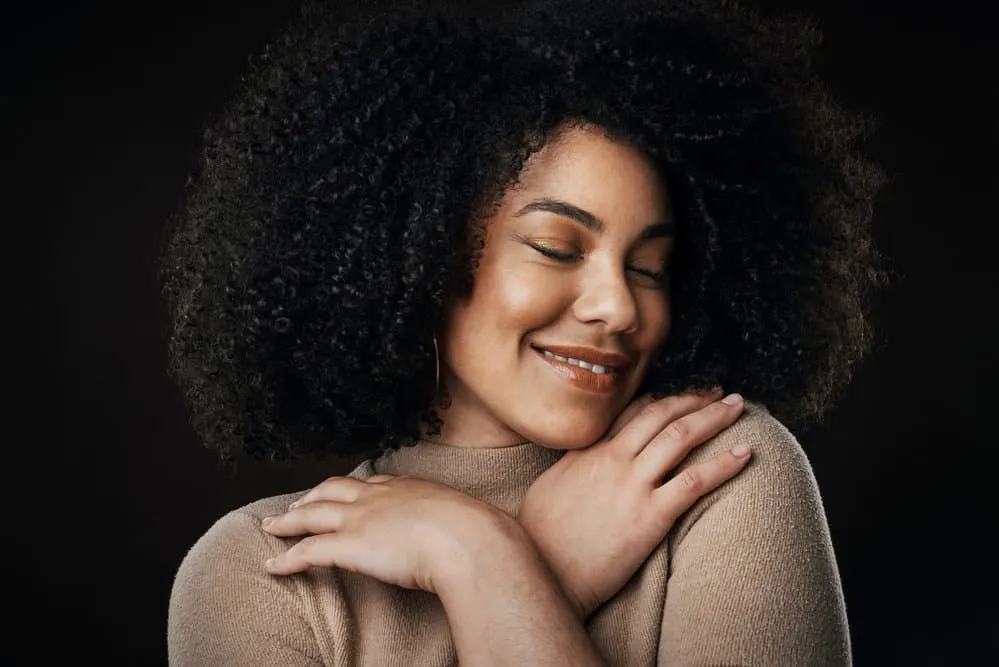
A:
(753, 576)
(225, 609)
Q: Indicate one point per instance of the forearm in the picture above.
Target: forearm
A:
(506, 608)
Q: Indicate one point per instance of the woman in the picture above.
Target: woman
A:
(506, 263)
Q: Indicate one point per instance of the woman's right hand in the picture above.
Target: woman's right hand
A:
(599, 512)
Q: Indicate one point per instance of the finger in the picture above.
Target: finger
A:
(340, 489)
(378, 479)
(639, 404)
(316, 551)
(321, 516)
(680, 493)
(654, 417)
(671, 445)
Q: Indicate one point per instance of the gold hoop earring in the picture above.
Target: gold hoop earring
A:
(437, 367)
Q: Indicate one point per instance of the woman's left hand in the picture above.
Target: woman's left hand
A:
(398, 529)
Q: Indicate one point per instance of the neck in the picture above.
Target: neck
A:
(446, 439)
(465, 423)
(499, 476)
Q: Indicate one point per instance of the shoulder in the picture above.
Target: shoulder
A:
(226, 609)
(778, 459)
(753, 560)
(233, 549)
(238, 537)
(775, 450)
(777, 479)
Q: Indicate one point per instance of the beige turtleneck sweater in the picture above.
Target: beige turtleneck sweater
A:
(746, 577)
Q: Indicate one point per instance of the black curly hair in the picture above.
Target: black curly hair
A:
(329, 219)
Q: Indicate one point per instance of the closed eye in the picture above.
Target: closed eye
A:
(658, 276)
(555, 254)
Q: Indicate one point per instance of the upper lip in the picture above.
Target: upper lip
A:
(588, 354)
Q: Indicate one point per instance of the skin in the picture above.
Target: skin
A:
(517, 589)
(501, 392)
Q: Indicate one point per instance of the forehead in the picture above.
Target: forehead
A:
(608, 177)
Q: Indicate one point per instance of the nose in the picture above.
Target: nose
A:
(606, 297)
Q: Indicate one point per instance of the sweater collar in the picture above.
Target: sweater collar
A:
(499, 476)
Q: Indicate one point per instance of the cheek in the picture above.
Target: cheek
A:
(656, 321)
(505, 305)
(521, 299)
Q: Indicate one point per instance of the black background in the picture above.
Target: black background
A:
(102, 109)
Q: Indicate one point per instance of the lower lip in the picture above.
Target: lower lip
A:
(596, 383)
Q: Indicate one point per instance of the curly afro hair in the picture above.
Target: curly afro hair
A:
(329, 218)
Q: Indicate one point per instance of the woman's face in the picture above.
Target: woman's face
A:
(600, 207)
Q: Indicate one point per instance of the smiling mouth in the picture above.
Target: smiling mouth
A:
(594, 379)
(593, 368)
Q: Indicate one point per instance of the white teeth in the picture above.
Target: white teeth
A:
(595, 368)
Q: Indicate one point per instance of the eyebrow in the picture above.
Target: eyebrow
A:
(587, 219)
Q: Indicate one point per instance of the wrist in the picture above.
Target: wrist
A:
(574, 595)
(473, 556)
(503, 602)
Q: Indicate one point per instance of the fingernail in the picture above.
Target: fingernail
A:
(268, 520)
(740, 450)
(293, 505)
(732, 399)
(270, 562)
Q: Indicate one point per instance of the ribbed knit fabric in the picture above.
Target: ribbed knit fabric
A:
(746, 577)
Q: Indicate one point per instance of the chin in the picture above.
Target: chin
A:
(571, 437)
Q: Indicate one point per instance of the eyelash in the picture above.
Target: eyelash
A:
(658, 276)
